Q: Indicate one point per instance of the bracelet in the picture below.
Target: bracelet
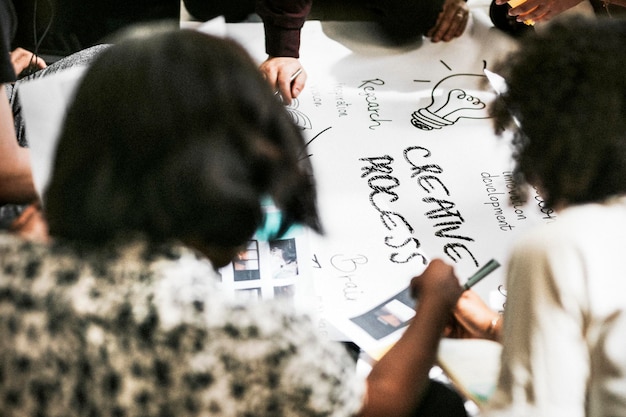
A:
(491, 330)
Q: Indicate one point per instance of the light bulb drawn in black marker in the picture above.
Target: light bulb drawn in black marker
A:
(453, 98)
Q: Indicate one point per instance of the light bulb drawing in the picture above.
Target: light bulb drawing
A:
(452, 98)
(298, 117)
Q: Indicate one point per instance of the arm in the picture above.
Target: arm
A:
(16, 182)
(282, 21)
(396, 384)
(540, 10)
(474, 319)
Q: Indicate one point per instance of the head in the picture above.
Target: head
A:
(567, 89)
(177, 135)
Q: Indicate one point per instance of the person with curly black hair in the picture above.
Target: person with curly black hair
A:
(564, 322)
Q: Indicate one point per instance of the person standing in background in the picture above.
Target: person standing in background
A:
(402, 21)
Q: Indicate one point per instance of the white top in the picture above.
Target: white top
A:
(564, 348)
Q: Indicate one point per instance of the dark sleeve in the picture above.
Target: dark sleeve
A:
(282, 20)
(7, 31)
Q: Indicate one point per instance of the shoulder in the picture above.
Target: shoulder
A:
(276, 357)
(169, 281)
(582, 244)
(577, 225)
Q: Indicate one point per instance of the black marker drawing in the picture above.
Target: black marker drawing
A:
(316, 262)
(306, 145)
(298, 117)
(452, 98)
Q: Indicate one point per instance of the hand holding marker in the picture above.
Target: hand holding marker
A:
(293, 77)
(485, 270)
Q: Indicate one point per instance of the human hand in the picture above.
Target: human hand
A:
(437, 282)
(451, 21)
(22, 59)
(278, 72)
(539, 10)
(474, 319)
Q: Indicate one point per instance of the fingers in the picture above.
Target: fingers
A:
(286, 75)
(437, 281)
(473, 317)
(528, 11)
(532, 11)
(297, 85)
(22, 59)
(451, 22)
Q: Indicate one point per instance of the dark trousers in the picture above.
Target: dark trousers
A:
(232, 10)
(441, 401)
(402, 20)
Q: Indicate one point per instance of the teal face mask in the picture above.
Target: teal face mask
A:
(272, 220)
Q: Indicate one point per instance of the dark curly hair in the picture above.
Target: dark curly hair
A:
(567, 89)
(177, 135)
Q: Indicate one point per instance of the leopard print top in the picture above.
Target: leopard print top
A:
(135, 329)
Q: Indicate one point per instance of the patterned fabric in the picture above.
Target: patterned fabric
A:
(135, 329)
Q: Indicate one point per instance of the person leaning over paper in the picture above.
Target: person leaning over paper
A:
(401, 20)
(121, 312)
(564, 323)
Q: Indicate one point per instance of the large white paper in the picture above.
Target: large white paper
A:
(407, 163)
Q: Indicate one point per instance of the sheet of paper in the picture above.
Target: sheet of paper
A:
(407, 163)
(472, 365)
(44, 102)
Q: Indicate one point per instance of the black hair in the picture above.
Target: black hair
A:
(567, 89)
(177, 135)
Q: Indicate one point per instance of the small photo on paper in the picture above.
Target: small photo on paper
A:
(387, 317)
(246, 263)
(284, 259)
(285, 291)
(249, 294)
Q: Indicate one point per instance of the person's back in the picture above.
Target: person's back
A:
(565, 316)
(170, 147)
(142, 329)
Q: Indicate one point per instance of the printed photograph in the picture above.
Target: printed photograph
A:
(246, 264)
(284, 259)
(387, 317)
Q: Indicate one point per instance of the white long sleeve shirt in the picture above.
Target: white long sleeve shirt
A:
(564, 339)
